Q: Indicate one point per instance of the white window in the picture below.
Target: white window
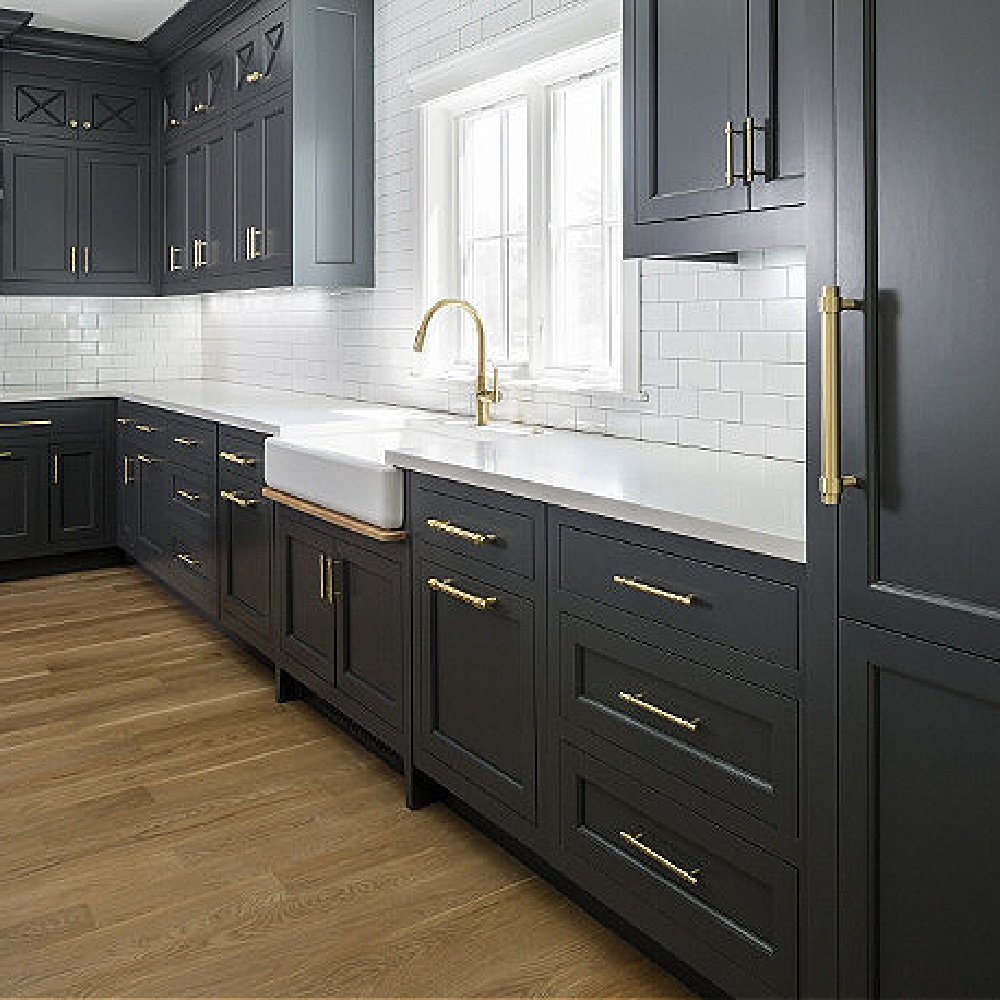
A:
(521, 214)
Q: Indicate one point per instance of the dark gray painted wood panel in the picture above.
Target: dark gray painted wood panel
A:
(78, 492)
(23, 500)
(176, 259)
(114, 114)
(918, 228)
(39, 105)
(920, 799)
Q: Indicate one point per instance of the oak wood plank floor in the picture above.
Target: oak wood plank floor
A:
(167, 830)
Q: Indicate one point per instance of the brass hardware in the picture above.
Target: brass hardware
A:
(199, 108)
(322, 576)
(72, 260)
(447, 528)
(237, 499)
(88, 125)
(647, 588)
(73, 123)
(255, 77)
(484, 396)
(28, 423)
(330, 595)
(445, 587)
(173, 265)
(189, 560)
(730, 166)
(749, 133)
(200, 246)
(86, 260)
(55, 470)
(174, 122)
(253, 251)
(635, 840)
(237, 459)
(6, 454)
(832, 484)
(188, 495)
(146, 460)
(146, 429)
(125, 476)
(246, 244)
(187, 442)
(125, 421)
(691, 725)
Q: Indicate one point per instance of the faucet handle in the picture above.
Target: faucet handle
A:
(495, 394)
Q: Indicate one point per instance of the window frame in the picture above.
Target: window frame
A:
(438, 235)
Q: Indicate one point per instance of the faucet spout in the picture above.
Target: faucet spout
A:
(483, 395)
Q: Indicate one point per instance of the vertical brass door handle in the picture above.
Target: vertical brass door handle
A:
(322, 576)
(730, 155)
(86, 260)
(832, 484)
(55, 470)
(750, 130)
(72, 259)
(173, 252)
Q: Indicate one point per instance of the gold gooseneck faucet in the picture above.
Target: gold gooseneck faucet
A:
(484, 396)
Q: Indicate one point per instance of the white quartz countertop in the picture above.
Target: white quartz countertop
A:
(741, 501)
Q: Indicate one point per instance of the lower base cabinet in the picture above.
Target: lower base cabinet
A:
(919, 731)
(23, 508)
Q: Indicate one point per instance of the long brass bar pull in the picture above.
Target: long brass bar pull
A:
(237, 499)
(647, 588)
(445, 587)
(832, 484)
(691, 725)
(72, 260)
(55, 470)
(189, 561)
(229, 456)
(322, 576)
(731, 131)
(635, 840)
(86, 260)
(750, 130)
(26, 423)
(6, 454)
(447, 528)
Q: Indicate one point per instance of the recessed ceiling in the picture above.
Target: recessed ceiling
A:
(131, 19)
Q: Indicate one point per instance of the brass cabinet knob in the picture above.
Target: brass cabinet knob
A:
(255, 77)
(73, 123)
(88, 125)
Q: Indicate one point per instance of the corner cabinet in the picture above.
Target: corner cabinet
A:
(714, 125)
(275, 180)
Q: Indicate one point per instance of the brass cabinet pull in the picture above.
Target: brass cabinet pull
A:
(73, 123)
(27, 423)
(647, 588)
(199, 108)
(691, 725)
(253, 252)
(322, 576)
(200, 246)
(189, 560)
(146, 429)
(690, 876)
(237, 499)
(6, 454)
(125, 476)
(445, 587)
(832, 484)
(230, 456)
(255, 77)
(125, 421)
(187, 442)
(88, 125)
(447, 528)
(330, 594)
(146, 460)
(86, 260)
(174, 122)
(55, 470)
(731, 132)
(246, 243)
(72, 260)
(188, 495)
(751, 128)
(173, 252)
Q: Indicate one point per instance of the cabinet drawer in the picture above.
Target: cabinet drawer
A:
(193, 493)
(243, 452)
(192, 562)
(57, 418)
(730, 738)
(149, 429)
(192, 442)
(727, 606)
(735, 897)
(493, 530)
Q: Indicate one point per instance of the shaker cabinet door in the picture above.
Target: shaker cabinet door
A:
(23, 498)
(77, 494)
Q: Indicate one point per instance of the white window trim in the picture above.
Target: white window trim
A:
(486, 74)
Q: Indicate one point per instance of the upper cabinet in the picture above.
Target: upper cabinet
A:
(714, 143)
(279, 104)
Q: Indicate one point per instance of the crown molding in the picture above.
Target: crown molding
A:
(195, 21)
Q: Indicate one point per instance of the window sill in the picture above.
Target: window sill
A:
(518, 387)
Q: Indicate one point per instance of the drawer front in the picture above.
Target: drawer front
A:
(85, 417)
(474, 525)
(734, 608)
(192, 442)
(733, 896)
(193, 563)
(149, 430)
(242, 452)
(192, 492)
(732, 739)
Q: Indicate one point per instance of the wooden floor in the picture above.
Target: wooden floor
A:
(167, 830)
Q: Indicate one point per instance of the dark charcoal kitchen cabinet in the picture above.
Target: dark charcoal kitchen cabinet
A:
(917, 536)
(207, 201)
(152, 531)
(75, 219)
(23, 487)
(262, 56)
(78, 492)
(176, 263)
(714, 125)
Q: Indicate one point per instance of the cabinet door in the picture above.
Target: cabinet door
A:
(174, 110)
(920, 401)
(195, 244)
(40, 106)
(114, 218)
(152, 497)
(114, 114)
(40, 214)
(777, 101)
(368, 590)
(206, 92)
(477, 683)
(218, 253)
(920, 798)
(246, 529)
(248, 188)
(262, 57)
(176, 262)
(23, 498)
(307, 616)
(77, 493)
(685, 79)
